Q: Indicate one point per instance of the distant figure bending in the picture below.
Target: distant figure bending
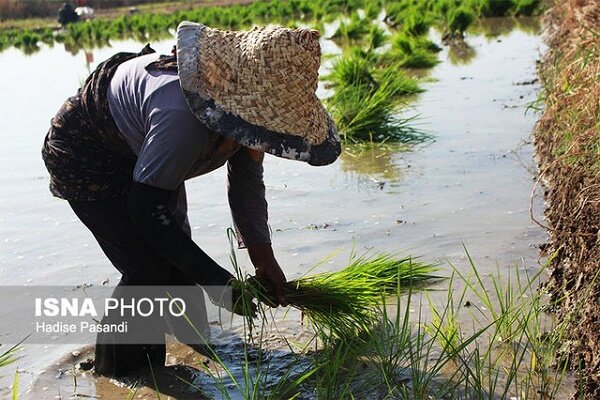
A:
(67, 14)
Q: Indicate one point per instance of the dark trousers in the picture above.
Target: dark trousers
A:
(140, 265)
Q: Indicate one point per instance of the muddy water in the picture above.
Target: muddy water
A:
(470, 187)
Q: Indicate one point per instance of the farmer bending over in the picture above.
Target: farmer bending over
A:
(120, 150)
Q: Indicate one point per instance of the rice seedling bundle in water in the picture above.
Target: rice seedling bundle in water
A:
(345, 303)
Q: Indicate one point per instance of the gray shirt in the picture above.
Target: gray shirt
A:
(173, 145)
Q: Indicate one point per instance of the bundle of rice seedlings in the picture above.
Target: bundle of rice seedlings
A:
(373, 9)
(27, 39)
(370, 112)
(411, 52)
(352, 68)
(459, 20)
(416, 25)
(377, 37)
(345, 303)
(4, 42)
(355, 29)
(419, 59)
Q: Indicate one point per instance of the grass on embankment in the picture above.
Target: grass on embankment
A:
(568, 146)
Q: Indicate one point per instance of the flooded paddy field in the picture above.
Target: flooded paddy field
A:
(471, 186)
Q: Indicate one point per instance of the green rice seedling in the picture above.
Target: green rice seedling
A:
(459, 20)
(414, 17)
(372, 9)
(353, 30)
(4, 42)
(27, 40)
(526, 7)
(419, 59)
(416, 24)
(472, 365)
(444, 325)
(9, 356)
(15, 386)
(407, 351)
(133, 389)
(339, 369)
(546, 370)
(400, 83)
(47, 36)
(256, 381)
(503, 308)
(351, 69)
(156, 391)
(377, 37)
(337, 7)
(399, 357)
(259, 11)
(479, 7)
(497, 8)
(388, 342)
(411, 52)
(303, 9)
(426, 44)
(511, 358)
(344, 303)
(397, 11)
(362, 112)
(442, 8)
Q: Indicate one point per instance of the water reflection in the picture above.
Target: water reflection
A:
(461, 53)
(494, 27)
(379, 162)
(29, 49)
(74, 47)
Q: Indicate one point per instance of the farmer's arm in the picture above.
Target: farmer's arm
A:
(246, 192)
(170, 149)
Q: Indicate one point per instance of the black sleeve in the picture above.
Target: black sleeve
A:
(150, 214)
(246, 193)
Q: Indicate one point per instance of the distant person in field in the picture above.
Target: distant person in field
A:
(67, 14)
(121, 149)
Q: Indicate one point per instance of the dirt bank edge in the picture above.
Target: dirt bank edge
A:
(567, 142)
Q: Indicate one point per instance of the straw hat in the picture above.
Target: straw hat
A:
(258, 88)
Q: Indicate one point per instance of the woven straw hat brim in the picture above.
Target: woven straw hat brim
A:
(296, 145)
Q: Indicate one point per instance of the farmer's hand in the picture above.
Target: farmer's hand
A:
(267, 269)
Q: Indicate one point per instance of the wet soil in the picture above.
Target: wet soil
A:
(187, 374)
